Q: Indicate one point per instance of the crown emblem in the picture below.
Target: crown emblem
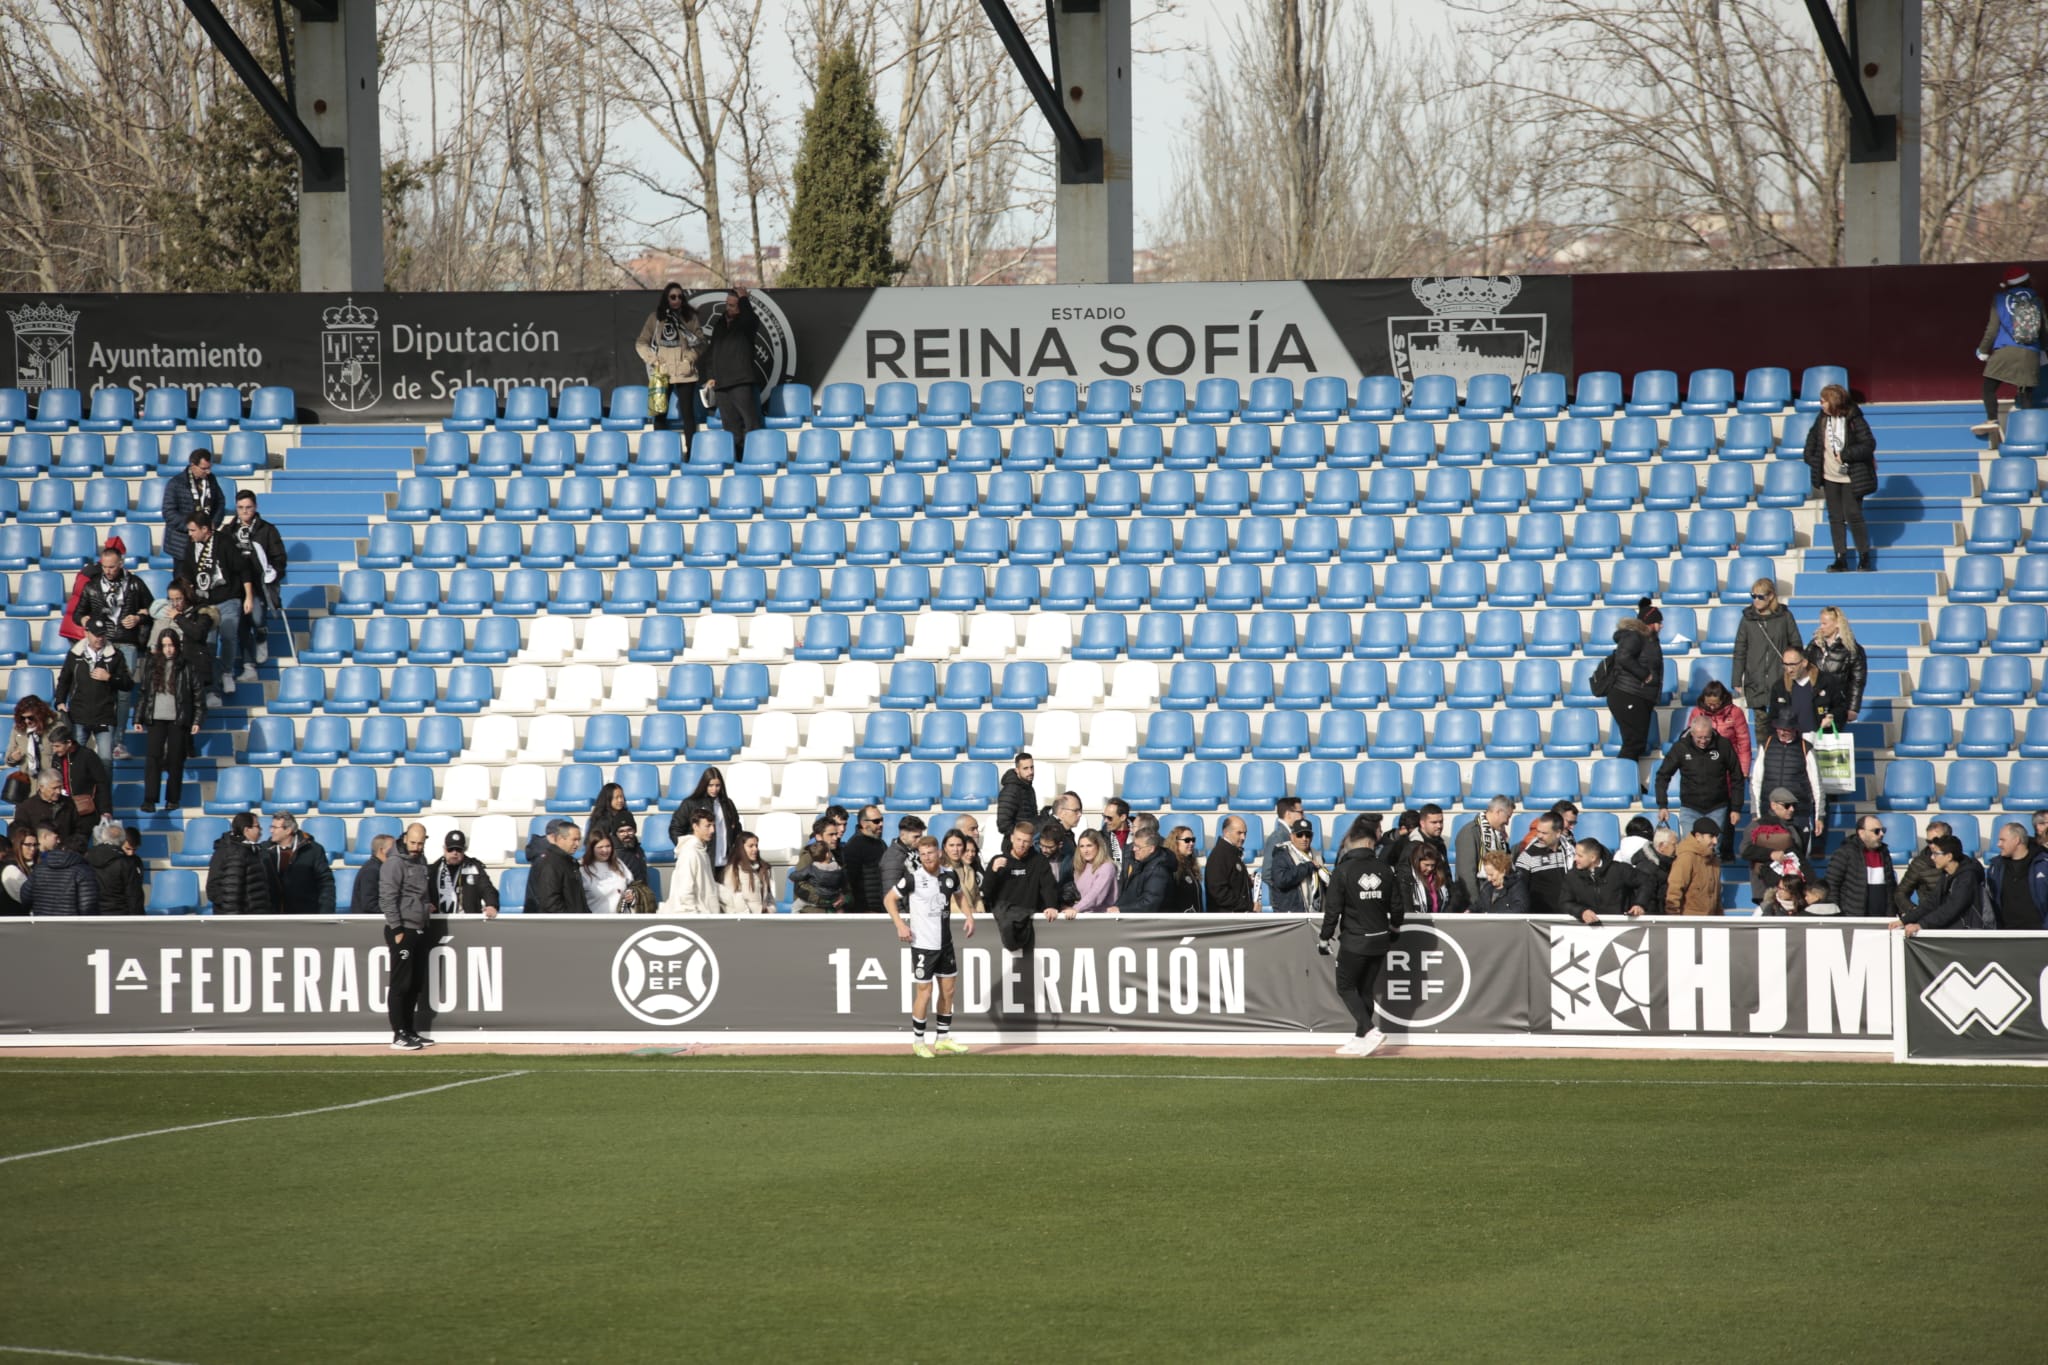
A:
(1467, 296)
(44, 319)
(350, 317)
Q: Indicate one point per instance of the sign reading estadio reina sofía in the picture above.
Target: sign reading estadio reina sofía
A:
(1743, 984)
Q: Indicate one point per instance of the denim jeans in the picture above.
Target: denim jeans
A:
(1719, 815)
(256, 620)
(229, 644)
(124, 709)
(100, 742)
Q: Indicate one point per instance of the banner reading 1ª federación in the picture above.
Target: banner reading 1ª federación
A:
(1454, 979)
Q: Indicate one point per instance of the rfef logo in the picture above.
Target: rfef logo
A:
(665, 976)
(1425, 979)
(1992, 998)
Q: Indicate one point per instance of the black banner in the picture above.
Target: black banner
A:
(1976, 997)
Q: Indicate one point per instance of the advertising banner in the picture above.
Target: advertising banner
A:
(400, 357)
(1975, 997)
(845, 978)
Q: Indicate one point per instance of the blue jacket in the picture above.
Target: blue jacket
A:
(1287, 879)
(2037, 884)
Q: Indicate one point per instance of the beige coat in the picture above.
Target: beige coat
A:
(741, 894)
(1694, 887)
(674, 354)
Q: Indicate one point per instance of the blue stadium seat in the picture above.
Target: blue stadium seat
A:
(49, 501)
(1440, 635)
(1653, 393)
(1988, 732)
(628, 408)
(1560, 489)
(1614, 490)
(1225, 735)
(1709, 392)
(1925, 732)
(1614, 785)
(1357, 446)
(2026, 435)
(475, 408)
(235, 790)
(947, 404)
(1410, 445)
(1536, 684)
(1001, 404)
(57, 410)
(1477, 684)
(1766, 390)
(1419, 685)
(1971, 785)
(840, 406)
(1633, 440)
(1379, 399)
(1324, 398)
(1994, 529)
(1271, 400)
(1813, 380)
(895, 404)
(2029, 579)
(1397, 735)
(1577, 440)
(1169, 735)
(1487, 397)
(1279, 493)
(2005, 680)
(1466, 445)
(1216, 401)
(1672, 489)
(1542, 395)
(1432, 398)
(1053, 403)
(1341, 734)
(940, 735)
(1162, 402)
(1653, 535)
(1596, 535)
(1248, 686)
(979, 450)
(163, 409)
(1109, 402)
(1959, 629)
(2011, 479)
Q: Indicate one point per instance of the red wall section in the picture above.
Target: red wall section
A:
(1906, 333)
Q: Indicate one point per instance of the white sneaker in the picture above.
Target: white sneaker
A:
(1372, 1040)
(247, 675)
(262, 653)
(213, 702)
(1355, 1048)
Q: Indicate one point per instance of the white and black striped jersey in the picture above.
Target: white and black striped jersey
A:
(927, 899)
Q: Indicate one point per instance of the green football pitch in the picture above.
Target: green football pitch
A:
(999, 1208)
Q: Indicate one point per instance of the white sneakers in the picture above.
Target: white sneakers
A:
(247, 675)
(262, 652)
(1363, 1047)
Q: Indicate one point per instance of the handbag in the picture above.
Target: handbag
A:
(639, 899)
(84, 804)
(1835, 754)
(16, 789)
(1602, 681)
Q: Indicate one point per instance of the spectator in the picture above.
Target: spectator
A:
(1638, 679)
(969, 828)
(300, 876)
(554, 886)
(1694, 886)
(1920, 884)
(62, 883)
(1020, 887)
(1430, 888)
(362, 898)
(2016, 882)
(1597, 886)
(25, 747)
(1285, 812)
(170, 704)
(605, 878)
(1225, 882)
(89, 690)
(1362, 918)
(1842, 454)
(899, 854)
(1638, 852)
(1787, 898)
(462, 885)
(82, 778)
(180, 616)
(221, 579)
(123, 601)
(1017, 798)
(1567, 819)
(1709, 775)
(863, 854)
(405, 894)
(819, 879)
(1428, 834)
(733, 380)
(1116, 824)
(694, 889)
(2011, 348)
(235, 881)
(1059, 858)
(1718, 706)
(2041, 828)
(1058, 823)
(120, 883)
(633, 857)
(671, 344)
(1860, 879)
(1489, 833)
(17, 861)
(710, 790)
(1797, 697)
(745, 888)
(192, 496)
(1956, 902)
(1767, 629)
(262, 549)
(1298, 880)
(1503, 888)
(1094, 875)
(1152, 874)
(958, 852)
(1817, 902)
(131, 848)
(1543, 860)
(1785, 764)
(1184, 887)
(607, 813)
(50, 806)
(1395, 848)
(1842, 665)
(1776, 848)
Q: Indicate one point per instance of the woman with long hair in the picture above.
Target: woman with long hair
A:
(670, 344)
(819, 877)
(1094, 875)
(17, 860)
(28, 746)
(608, 812)
(1717, 706)
(1432, 890)
(1767, 629)
(605, 878)
(1842, 455)
(743, 888)
(170, 706)
(725, 817)
(1843, 666)
(1637, 679)
(1184, 894)
(961, 854)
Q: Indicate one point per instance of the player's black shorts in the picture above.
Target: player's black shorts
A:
(927, 964)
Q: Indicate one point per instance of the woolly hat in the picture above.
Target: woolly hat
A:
(2015, 276)
(1647, 613)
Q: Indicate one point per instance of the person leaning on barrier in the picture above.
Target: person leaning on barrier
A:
(1920, 882)
(1597, 886)
(1019, 888)
(462, 885)
(1544, 859)
(1484, 835)
(554, 886)
(1298, 881)
(363, 898)
(1957, 902)
(1503, 887)
(1860, 878)
(405, 892)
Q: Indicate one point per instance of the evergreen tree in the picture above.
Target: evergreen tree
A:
(237, 230)
(839, 225)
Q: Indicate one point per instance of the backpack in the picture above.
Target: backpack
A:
(1602, 680)
(2025, 308)
(1980, 915)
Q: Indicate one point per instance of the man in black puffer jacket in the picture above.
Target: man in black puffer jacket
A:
(1151, 877)
(1597, 886)
(120, 876)
(1018, 799)
(61, 883)
(300, 873)
(235, 883)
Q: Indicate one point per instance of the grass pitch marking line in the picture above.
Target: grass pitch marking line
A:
(257, 1118)
(700, 1068)
(55, 1354)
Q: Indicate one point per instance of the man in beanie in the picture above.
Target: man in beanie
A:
(1694, 886)
(2011, 348)
(462, 886)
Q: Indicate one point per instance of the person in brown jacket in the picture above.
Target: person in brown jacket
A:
(1694, 887)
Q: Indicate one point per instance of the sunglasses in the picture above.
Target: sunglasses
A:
(1187, 841)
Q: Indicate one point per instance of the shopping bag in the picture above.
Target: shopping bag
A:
(1835, 753)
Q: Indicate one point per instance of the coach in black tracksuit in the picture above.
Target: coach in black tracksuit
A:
(1019, 885)
(1363, 914)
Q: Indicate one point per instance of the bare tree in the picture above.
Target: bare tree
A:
(1983, 106)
